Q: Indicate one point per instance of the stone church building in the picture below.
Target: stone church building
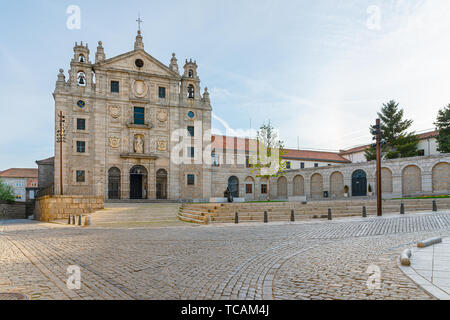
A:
(136, 128)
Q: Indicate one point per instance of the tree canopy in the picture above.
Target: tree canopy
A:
(6, 192)
(443, 125)
(399, 142)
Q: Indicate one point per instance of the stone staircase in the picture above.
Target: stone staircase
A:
(281, 211)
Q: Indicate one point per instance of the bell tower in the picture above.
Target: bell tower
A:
(80, 73)
(190, 82)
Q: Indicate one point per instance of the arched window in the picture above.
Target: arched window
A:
(81, 58)
(81, 79)
(114, 183)
(190, 91)
(191, 73)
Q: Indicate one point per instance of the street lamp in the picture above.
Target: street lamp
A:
(61, 138)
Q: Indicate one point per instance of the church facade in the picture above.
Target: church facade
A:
(122, 118)
(135, 128)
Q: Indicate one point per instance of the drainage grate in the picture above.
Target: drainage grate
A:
(13, 296)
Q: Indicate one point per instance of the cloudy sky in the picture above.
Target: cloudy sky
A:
(319, 70)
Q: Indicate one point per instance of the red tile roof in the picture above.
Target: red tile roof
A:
(19, 173)
(243, 144)
(427, 135)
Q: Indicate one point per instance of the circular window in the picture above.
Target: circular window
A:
(191, 114)
(139, 63)
(81, 104)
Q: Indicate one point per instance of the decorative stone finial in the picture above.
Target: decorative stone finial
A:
(139, 44)
(174, 63)
(100, 54)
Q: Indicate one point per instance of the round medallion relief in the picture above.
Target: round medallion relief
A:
(140, 88)
(115, 111)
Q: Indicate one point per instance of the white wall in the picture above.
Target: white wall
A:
(429, 146)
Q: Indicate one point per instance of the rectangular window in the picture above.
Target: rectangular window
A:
(81, 146)
(316, 165)
(191, 131)
(302, 165)
(247, 162)
(81, 176)
(248, 188)
(288, 165)
(162, 92)
(421, 153)
(190, 152)
(115, 86)
(81, 124)
(191, 179)
(139, 115)
(264, 189)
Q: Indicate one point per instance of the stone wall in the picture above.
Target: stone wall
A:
(50, 208)
(405, 177)
(14, 210)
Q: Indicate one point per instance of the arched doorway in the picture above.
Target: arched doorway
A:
(411, 180)
(114, 183)
(233, 186)
(316, 185)
(336, 185)
(440, 177)
(161, 184)
(282, 191)
(138, 183)
(359, 183)
(299, 186)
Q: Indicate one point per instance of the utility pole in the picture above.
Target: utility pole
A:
(376, 131)
(61, 138)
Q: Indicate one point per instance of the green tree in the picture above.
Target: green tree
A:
(6, 192)
(265, 160)
(399, 143)
(443, 125)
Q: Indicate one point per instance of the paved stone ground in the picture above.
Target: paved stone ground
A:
(317, 260)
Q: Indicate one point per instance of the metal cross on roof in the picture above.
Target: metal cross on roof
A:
(139, 21)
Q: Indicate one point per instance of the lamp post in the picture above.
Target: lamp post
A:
(61, 138)
(376, 131)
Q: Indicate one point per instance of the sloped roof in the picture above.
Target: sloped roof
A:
(50, 160)
(19, 173)
(243, 144)
(427, 135)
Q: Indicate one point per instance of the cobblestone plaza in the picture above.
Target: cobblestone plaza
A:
(302, 260)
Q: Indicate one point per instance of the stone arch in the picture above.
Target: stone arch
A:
(441, 183)
(386, 180)
(299, 186)
(316, 185)
(282, 192)
(233, 186)
(161, 184)
(411, 180)
(337, 184)
(138, 182)
(114, 183)
(359, 183)
(249, 187)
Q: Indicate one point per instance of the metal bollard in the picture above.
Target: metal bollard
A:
(79, 220)
(69, 219)
(364, 212)
(402, 208)
(434, 206)
(292, 215)
(236, 218)
(330, 217)
(266, 217)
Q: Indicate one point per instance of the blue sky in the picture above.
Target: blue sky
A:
(319, 70)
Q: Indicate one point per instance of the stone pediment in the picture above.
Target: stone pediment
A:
(127, 61)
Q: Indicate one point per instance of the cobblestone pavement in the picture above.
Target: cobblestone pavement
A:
(319, 260)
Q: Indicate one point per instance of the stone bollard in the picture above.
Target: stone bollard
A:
(428, 242)
(330, 217)
(364, 212)
(266, 217)
(69, 219)
(88, 221)
(236, 217)
(434, 206)
(73, 220)
(405, 257)
(402, 208)
(80, 217)
(292, 215)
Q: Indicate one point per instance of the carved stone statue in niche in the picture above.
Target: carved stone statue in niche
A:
(138, 143)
